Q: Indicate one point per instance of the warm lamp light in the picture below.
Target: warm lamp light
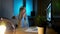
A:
(2, 27)
(40, 30)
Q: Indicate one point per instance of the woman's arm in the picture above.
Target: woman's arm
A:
(19, 19)
(24, 16)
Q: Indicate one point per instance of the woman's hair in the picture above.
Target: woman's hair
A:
(20, 14)
(21, 8)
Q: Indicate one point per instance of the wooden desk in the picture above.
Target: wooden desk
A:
(19, 31)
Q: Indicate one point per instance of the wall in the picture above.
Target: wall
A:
(42, 6)
(56, 7)
(7, 8)
(0, 8)
(35, 7)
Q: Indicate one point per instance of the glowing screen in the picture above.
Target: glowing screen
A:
(49, 12)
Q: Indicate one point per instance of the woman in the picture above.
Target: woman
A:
(22, 22)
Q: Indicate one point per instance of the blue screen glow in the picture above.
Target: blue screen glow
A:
(29, 7)
(17, 5)
(49, 12)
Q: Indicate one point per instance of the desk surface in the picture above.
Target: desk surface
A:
(19, 31)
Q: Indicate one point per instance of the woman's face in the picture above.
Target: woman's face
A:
(24, 10)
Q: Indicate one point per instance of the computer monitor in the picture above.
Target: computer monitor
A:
(49, 12)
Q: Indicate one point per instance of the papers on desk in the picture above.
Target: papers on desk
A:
(32, 29)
